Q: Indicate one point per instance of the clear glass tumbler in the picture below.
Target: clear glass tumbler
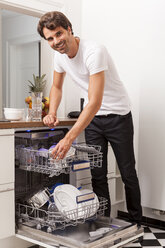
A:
(37, 106)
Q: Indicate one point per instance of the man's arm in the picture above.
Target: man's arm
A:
(55, 99)
(95, 94)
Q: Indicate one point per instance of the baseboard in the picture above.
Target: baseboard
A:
(145, 220)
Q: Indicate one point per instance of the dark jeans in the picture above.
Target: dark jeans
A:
(118, 130)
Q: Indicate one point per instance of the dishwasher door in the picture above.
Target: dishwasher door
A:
(100, 233)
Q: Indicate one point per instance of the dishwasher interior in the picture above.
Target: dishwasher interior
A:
(50, 211)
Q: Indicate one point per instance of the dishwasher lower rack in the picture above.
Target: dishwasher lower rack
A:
(85, 157)
(54, 220)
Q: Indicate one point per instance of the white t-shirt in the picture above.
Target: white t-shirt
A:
(92, 58)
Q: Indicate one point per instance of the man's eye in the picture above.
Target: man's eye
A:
(58, 34)
(50, 39)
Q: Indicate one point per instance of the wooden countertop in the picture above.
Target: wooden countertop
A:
(24, 124)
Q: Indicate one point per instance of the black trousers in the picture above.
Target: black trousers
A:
(118, 130)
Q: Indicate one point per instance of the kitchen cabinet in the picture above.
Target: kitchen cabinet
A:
(7, 209)
(7, 156)
(7, 213)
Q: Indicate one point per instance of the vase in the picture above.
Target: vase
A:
(36, 106)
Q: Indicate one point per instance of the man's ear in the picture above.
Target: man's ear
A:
(69, 29)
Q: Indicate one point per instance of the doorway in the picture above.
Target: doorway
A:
(24, 61)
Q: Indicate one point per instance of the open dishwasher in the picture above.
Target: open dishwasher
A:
(50, 211)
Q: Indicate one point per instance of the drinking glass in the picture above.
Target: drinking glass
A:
(37, 106)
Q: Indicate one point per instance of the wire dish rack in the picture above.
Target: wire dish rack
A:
(85, 157)
(54, 220)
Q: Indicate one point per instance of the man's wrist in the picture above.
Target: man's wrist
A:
(52, 113)
(69, 137)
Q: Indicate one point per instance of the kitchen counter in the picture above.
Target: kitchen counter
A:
(24, 124)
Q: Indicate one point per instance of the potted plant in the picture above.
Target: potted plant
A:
(38, 85)
(36, 89)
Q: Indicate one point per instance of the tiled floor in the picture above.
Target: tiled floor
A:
(152, 238)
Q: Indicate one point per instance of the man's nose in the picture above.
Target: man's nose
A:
(55, 41)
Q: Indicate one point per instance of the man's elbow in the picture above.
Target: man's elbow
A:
(96, 105)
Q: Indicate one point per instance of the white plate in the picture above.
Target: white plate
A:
(93, 204)
(65, 200)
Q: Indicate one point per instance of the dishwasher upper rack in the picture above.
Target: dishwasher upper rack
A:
(42, 162)
(50, 221)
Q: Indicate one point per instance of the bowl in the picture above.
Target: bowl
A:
(13, 114)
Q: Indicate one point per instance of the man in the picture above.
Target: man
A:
(106, 116)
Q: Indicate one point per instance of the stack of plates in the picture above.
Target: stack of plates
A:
(65, 198)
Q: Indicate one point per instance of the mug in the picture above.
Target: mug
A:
(40, 198)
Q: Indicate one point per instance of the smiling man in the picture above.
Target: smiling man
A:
(106, 116)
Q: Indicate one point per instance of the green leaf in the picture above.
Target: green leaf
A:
(39, 83)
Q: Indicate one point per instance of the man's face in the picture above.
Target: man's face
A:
(59, 39)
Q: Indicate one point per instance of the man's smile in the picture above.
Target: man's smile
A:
(60, 45)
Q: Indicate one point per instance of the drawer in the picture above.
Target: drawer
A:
(7, 159)
(7, 214)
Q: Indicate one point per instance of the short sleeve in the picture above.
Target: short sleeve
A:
(97, 60)
(57, 64)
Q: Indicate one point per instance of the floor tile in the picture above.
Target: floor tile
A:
(162, 242)
(149, 236)
(155, 230)
(146, 229)
(150, 242)
(160, 235)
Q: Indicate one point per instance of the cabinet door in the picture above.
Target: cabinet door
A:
(7, 159)
(7, 216)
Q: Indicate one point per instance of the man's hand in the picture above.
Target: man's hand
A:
(61, 149)
(50, 120)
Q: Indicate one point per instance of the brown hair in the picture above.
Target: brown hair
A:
(52, 20)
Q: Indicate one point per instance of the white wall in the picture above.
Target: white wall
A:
(152, 105)
(115, 23)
